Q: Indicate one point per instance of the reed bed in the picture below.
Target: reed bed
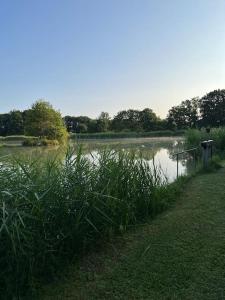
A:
(54, 209)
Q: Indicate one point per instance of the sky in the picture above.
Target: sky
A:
(88, 56)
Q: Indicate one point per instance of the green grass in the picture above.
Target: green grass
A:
(179, 255)
(116, 135)
(194, 137)
(53, 210)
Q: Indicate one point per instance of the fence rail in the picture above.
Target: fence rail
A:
(185, 151)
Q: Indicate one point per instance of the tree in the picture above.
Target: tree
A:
(92, 126)
(45, 122)
(16, 123)
(212, 108)
(103, 122)
(148, 119)
(127, 120)
(4, 124)
(12, 123)
(184, 115)
(77, 124)
(135, 120)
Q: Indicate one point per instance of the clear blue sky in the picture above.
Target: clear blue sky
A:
(88, 56)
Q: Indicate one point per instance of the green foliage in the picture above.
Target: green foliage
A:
(212, 107)
(31, 142)
(78, 124)
(39, 142)
(184, 115)
(12, 123)
(148, 119)
(194, 137)
(135, 120)
(116, 135)
(46, 142)
(103, 122)
(45, 122)
(126, 120)
(53, 209)
(179, 255)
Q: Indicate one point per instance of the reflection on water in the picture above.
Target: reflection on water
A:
(154, 150)
(169, 166)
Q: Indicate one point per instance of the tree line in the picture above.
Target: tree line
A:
(208, 111)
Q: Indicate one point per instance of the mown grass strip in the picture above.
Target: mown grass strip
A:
(179, 255)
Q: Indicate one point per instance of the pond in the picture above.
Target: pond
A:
(157, 152)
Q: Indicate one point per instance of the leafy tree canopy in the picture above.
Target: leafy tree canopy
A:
(184, 115)
(212, 108)
(43, 120)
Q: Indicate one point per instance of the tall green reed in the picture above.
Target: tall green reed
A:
(52, 209)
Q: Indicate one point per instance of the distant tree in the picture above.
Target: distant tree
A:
(212, 108)
(43, 120)
(103, 122)
(135, 120)
(161, 124)
(12, 123)
(77, 124)
(127, 120)
(148, 119)
(92, 126)
(184, 115)
(15, 123)
(119, 121)
(82, 128)
(4, 124)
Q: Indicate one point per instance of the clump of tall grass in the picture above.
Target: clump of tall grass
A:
(51, 209)
(194, 137)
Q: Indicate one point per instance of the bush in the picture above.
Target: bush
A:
(46, 142)
(194, 137)
(31, 142)
(39, 142)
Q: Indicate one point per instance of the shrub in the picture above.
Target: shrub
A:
(38, 142)
(194, 137)
(31, 142)
(46, 142)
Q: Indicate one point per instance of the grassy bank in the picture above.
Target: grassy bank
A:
(28, 141)
(52, 210)
(194, 137)
(116, 135)
(14, 138)
(179, 255)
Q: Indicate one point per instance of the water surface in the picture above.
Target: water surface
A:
(157, 151)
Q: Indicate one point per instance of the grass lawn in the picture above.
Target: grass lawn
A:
(179, 255)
